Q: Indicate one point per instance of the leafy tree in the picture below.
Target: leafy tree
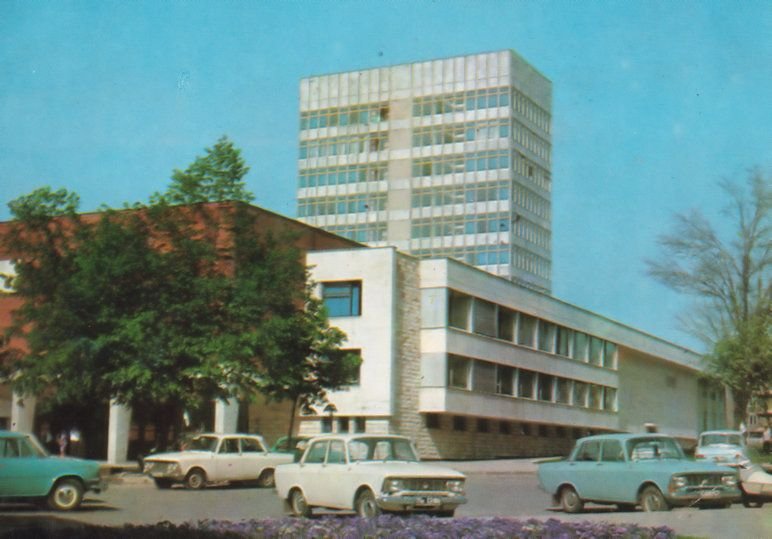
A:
(215, 177)
(730, 281)
(166, 306)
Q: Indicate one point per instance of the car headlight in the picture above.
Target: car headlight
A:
(455, 485)
(393, 485)
(729, 480)
(679, 481)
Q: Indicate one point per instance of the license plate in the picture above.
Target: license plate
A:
(710, 494)
(427, 501)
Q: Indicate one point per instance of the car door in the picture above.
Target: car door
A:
(254, 458)
(614, 483)
(583, 469)
(227, 460)
(21, 473)
(332, 477)
(310, 473)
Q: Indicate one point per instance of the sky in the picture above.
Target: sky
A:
(654, 102)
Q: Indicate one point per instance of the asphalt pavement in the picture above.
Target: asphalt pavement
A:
(129, 472)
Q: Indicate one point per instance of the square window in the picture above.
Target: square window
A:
(459, 423)
(342, 299)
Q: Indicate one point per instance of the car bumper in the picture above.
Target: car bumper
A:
(420, 502)
(97, 485)
(704, 496)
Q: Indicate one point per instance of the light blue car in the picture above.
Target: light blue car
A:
(628, 470)
(29, 473)
(721, 446)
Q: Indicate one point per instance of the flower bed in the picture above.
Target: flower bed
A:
(384, 527)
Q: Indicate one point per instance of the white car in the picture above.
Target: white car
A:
(210, 458)
(369, 474)
(721, 446)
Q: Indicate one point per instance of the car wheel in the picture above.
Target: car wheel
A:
(196, 479)
(298, 504)
(570, 500)
(66, 495)
(163, 483)
(652, 500)
(365, 504)
(266, 479)
(750, 501)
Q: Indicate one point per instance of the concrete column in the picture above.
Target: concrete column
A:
(118, 433)
(22, 412)
(226, 415)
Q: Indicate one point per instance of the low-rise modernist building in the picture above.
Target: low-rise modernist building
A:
(471, 365)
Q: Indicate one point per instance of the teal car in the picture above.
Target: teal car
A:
(628, 470)
(29, 473)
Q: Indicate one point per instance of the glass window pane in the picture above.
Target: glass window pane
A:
(525, 330)
(459, 310)
(565, 336)
(545, 387)
(596, 351)
(580, 394)
(484, 318)
(505, 377)
(458, 372)
(506, 327)
(580, 346)
(610, 399)
(546, 336)
(525, 381)
(612, 451)
(563, 391)
(610, 355)
(342, 299)
(484, 379)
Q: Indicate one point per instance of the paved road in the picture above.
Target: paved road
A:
(491, 493)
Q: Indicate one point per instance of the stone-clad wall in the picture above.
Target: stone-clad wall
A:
(406, 420)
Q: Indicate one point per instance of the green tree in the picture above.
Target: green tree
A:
(215, 177)
(730, 282)
(165, 306)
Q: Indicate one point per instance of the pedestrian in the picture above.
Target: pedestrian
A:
(63, 440)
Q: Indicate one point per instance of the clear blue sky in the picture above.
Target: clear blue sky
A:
(654, 102)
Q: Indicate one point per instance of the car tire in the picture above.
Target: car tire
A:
(266, 479)
(365, 504)
(66, 495)
(163, 483)
(751, 502)
(298, 504)
(651, 499)
(196, 479)
(570, 500)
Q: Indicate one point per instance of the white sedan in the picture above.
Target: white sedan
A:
(210, 458)
(369, 474)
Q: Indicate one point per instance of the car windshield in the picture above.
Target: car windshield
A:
(202, 443)
(653, 449)
(720, 439)
(381, 449)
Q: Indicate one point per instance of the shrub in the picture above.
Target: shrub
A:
(383, 527)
